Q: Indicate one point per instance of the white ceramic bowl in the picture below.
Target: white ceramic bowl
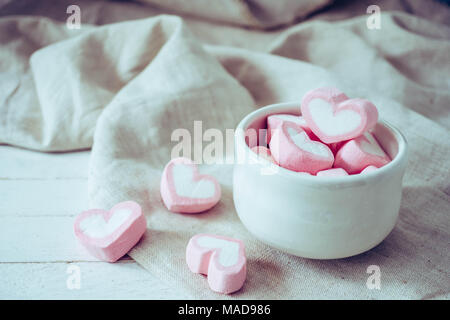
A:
(317, 217)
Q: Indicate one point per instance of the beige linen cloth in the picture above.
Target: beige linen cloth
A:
(253, 13)
(123, 88)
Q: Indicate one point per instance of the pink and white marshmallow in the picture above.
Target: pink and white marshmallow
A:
(292, 149)
(264, 152)
(335, 172)
(185, 190)
(357, 154)
(333, 117)
(222, 259)
(368, 169)
(109, 235)
(274, 121)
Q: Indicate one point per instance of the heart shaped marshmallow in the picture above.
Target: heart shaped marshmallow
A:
(109, 235)
(222, 259)
(274, 121)
(292, 149)
(358, 153)
(185, 190)
(333, 117)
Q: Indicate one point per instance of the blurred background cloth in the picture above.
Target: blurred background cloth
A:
(253, 13)
(121, 86)
(261, 14)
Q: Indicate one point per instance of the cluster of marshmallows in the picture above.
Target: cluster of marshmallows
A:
(332, 137)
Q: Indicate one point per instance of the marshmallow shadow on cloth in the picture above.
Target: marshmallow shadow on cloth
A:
(126, 87)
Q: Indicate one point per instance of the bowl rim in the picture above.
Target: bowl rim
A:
(394, 165)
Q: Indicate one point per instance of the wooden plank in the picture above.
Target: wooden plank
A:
(42, 197)
(16, 163)
(98, 280)
(40, 239)
(40, 194)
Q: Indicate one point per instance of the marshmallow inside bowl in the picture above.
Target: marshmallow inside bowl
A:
(308, 216)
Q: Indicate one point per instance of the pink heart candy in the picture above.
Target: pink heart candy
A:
(185, 190)
(358, 153)
(109, 235)
(222, 259)
(292, 149)
(333, 117)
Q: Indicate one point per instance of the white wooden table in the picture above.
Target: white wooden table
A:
(40, 195)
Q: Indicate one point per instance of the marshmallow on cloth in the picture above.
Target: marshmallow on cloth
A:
(274, 121)
(222, 259)
(357, 154)
(292, 149)
(335, 172)
(333, 117)
(109, 235)
(185, 190)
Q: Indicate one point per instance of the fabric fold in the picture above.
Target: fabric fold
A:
(128, 89)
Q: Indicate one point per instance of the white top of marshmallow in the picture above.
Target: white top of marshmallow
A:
(185, 186)
(333, 124)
